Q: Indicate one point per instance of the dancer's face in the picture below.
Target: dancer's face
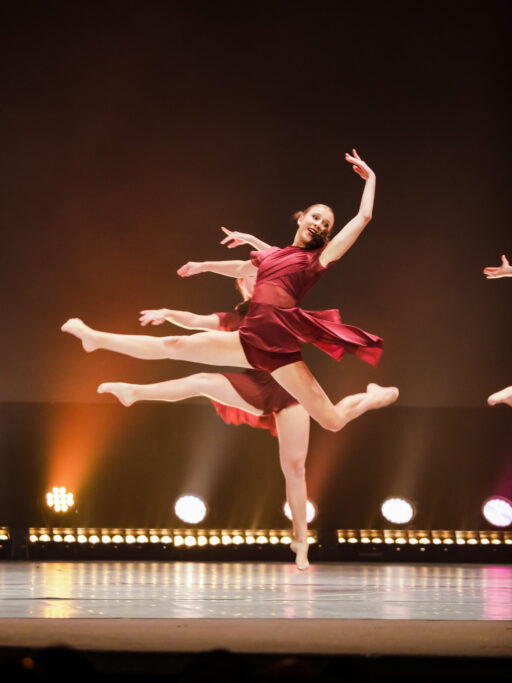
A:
(314, 226)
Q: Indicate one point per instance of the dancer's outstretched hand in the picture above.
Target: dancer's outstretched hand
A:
(190, 268)
(234, 238)
(153, 317)
(505, 270)
(359, 166)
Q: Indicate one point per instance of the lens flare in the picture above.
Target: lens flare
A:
(311, 511)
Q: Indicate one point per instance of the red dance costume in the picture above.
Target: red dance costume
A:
(272, 331)
(274, 328)
(257, 387)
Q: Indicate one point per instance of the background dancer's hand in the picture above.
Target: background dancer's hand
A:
(153, 317)
(505, 270)
(235, 239)
(190, 268)
(359, 166)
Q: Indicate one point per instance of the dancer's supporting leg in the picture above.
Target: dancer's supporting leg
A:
(210, 384)
(293, 434)
(503, 396)
(224, 348)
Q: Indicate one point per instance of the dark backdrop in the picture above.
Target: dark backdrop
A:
(131, 131)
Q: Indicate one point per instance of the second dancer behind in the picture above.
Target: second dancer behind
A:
(275, 327)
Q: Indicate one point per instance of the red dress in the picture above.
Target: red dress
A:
(257, 387)
(275, 327)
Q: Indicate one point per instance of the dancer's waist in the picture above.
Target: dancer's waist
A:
(273, 295)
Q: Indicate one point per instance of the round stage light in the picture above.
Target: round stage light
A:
(45, 538)
(250, 540)
(202, 540)
(154, 539)
(59, 499)
(178, 540)
(82, 538)
(237, 539)
(498, 511)
(166, 540)
(94, 539)
(117, 538)
(190, 541)
(57, 538)
(130, 538)
(261, 539)
(214, 540)
(274, 540)
(106, 539)
(311, 511)
(69, 538)
(33, 538)
(397, 510)
(190, 509)
(142, 538)
(285, 540)
(226, 540)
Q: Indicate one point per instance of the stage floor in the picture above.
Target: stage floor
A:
(263, 607)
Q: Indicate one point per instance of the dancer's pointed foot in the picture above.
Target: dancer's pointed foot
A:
(301, 554)
(503, 396)
(380, 397)
(124, 392)
(79, 329)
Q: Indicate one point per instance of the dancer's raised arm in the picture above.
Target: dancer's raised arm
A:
(494, 272)
(229, 268)
(235, 239)
(342, 242)
(190, 321)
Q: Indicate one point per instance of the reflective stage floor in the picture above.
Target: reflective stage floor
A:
(259, 607)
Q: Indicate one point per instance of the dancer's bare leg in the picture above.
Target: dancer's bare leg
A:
(210, 384)
(503, 396)
(224, 348)
(297, 379)
(293, 434)
(213, 348)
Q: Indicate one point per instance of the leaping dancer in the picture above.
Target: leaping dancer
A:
(275, 327)
(493, 273)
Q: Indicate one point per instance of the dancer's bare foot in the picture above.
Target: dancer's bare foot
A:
(79, 329)
(380, 397)
(503, 396)
(301, 554)
(124, 392)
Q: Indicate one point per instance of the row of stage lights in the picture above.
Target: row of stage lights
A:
(423, 538)
(186, 539)
(193, 509)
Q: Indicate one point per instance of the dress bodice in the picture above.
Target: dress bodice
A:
(285, 275)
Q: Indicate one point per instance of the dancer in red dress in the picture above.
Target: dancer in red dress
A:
(275, 326)
(493, 273)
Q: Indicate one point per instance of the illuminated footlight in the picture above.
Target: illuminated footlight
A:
(424, 540)
(69, 538)
(448, 541)
(286, 540)
(389, 540)
(352, 539)
(33, 538)
(365, 539)
(472, 541)
(460, 541)
(400, 540)
(57, 538)
(142, 538)
(190, 541)
(202, 540)
(261, 540)
(413, 541)
(237, 539)
(166, 540)
(250, 540)
(106, 539)
(81, 538)
(130, 538)
(94, 539)
(154, 539)
(311, 540)
(178, 540)
(498, 511)
(397, 510)
(117, 538)
(436, 541)
(59, 499)
(484, 541)
(226, 540)
(190, 509)
(214, 540)
(311, 511)
(44, 538)
(274, 540)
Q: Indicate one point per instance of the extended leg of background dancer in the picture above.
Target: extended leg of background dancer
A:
(503, 396)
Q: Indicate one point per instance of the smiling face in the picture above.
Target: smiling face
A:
(315, 225)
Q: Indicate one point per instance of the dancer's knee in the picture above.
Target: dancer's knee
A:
(174, 346)
(332, 422)
(294, 468)
(204, 381)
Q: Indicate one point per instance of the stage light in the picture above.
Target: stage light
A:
(436, 541)
(496, 541)
(448, 541)
(57, 538)
(342, 539)
(154, 539)
(286, 540)
(400, 540)
(397, 510)
(274, 540)
(377, 539)
(142, 538)
(45, 538)
(59, 499)
(33, 538)
(166, 540)
(389, 540)
(106, 539)
(261, 540)
(178, 540)
(94, 539)
(311, 540)
(508, 541)
(250, 540)
(130, 538)
(460, 541)
(214, 540)
(69, 538)
(472, 541)
(365, 539)
(226, 540)
(237, 539)
(352, 539)
(311, 511)
(413, 541)
(498, 511)
(202, 540)
(484, 541)
(190, 541)
(190, 509)
(424, 540)
(117, 538)
(81, 538)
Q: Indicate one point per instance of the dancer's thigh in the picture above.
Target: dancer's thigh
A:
(212, 348)
(215, 386)
(298, 381)
(293, 425)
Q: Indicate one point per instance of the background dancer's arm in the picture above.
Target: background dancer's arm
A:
(235, 239)
(190, 321)
(342, 242)
(229, 268)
